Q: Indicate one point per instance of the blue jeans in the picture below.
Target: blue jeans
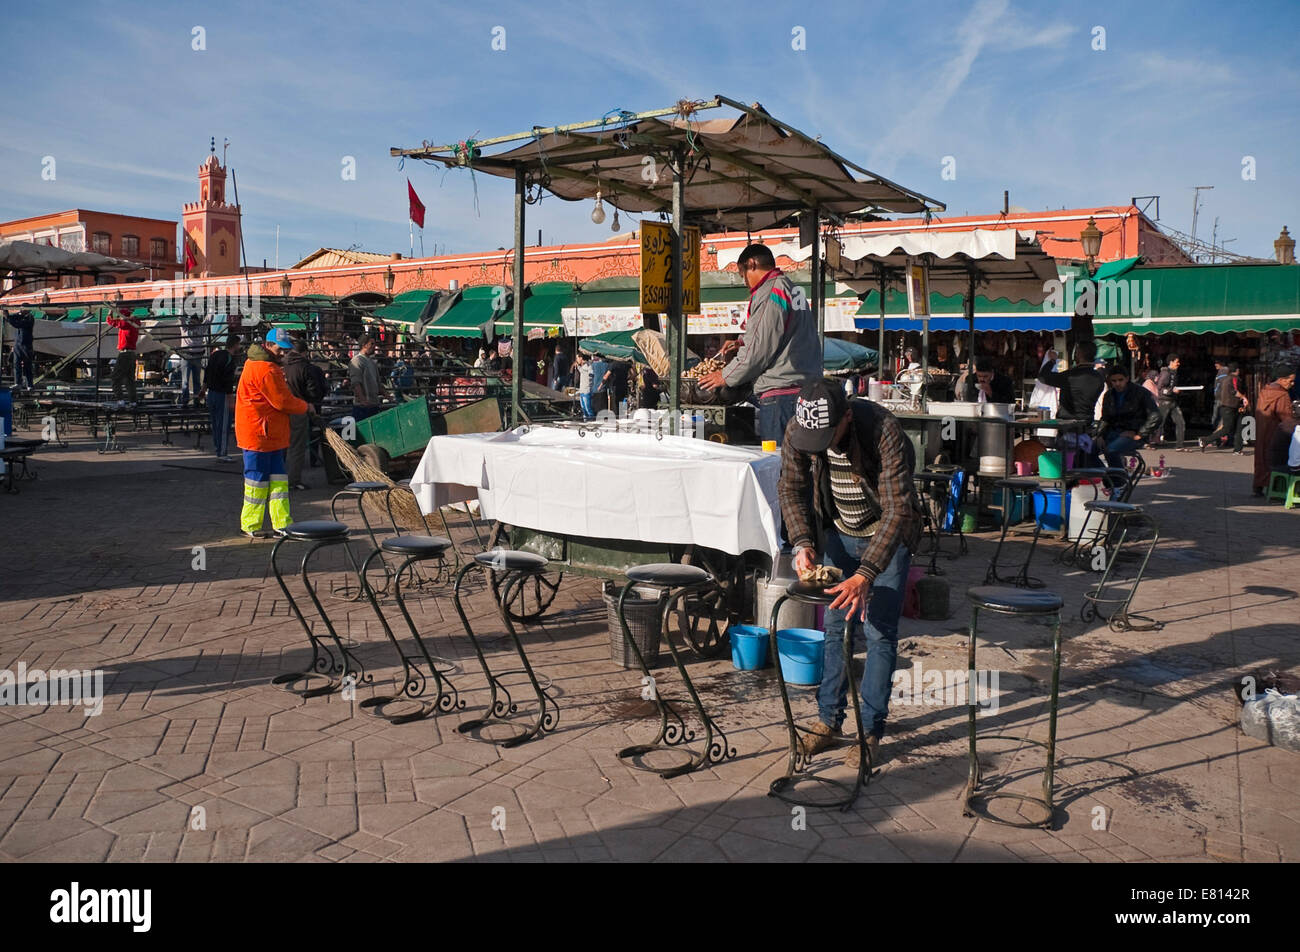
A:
(191, 379)
(23, 364)
(881, 637)
(220, 418)
(1118, 446)
(773, 415)
(585, 400)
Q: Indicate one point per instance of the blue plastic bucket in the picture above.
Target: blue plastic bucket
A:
(1047, 508)
(801, 655)
(748, 647)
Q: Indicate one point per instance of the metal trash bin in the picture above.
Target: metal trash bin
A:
(641, 611)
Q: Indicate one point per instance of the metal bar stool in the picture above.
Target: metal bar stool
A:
(358, 491)
(445, 698)
(1109, 513)
(797, 764)
(936, 496)
(1071, 553)
(676, 582)
(1019, 603)
(337, 671)
(417, 579)
(1131, 521)
(516, 568)
(1025, 490)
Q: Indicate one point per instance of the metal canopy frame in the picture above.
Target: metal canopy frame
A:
(776, 186)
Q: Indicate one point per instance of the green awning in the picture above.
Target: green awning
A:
(1114, 269)
(544, 306)
(408, 307)
(1200, 299)
(290, 325)
(471, 309)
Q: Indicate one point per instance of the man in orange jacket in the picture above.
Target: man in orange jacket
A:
(263, 404)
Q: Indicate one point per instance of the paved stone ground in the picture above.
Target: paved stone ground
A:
(97, 572)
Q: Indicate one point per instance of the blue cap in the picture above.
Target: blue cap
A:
(279, 337)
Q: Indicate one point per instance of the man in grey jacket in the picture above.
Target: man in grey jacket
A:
(779, 351)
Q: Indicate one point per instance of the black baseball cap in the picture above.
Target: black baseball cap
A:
(817, 412)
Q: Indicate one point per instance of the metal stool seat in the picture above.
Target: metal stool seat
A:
(512, 560)
(676, 582)
(414, 682)
(1026, 489)
(797, 762)
(1018, 603)
(345, 669)
(515, 568)
(315, 530)
(427, 547)
(668, 574)
(366, 486)
(1110, 505)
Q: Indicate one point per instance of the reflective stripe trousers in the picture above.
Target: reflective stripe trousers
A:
(265, 482)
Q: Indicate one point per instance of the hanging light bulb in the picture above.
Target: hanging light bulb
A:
(615, 226)
(598, 213)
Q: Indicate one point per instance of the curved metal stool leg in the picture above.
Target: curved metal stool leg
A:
(414, 680)
(1022, 578)
(1045, 802)
(991, 577)
(715, 747)
(501, 705)
(341, 670)
(677, 730)
(797, 763)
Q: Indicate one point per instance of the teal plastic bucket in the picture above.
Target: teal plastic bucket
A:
(800, 650)
(748, 647)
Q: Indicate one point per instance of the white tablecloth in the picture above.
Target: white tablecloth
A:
(615, 486)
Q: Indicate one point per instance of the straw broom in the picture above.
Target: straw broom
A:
(405, 510)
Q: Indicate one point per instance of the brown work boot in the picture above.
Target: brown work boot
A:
(854, 755)
(817, 737)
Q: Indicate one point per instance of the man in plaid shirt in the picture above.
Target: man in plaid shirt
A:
(847, 499)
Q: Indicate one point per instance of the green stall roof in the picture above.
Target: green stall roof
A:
(408, 307)
(469, 311)
(1201, 299)
(544, 306)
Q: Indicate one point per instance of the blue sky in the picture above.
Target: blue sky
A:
(1013, 91)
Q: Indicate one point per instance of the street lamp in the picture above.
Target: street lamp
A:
(389, 277)
(1090, 238)
(1284, 247)
(285, 286)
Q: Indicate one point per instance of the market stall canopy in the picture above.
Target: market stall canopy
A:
(1200, 299)
(1006, 263)
(840, 356)
(409, 307)
(544, 305)
(748, 172)
(63, 339)
(26, 261)
(466, 312)
(946, 314)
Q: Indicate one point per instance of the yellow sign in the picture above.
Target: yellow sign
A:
(918, 289)
(657, 268)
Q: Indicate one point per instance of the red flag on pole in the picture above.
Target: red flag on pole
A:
(190, 261)
(417, 206)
